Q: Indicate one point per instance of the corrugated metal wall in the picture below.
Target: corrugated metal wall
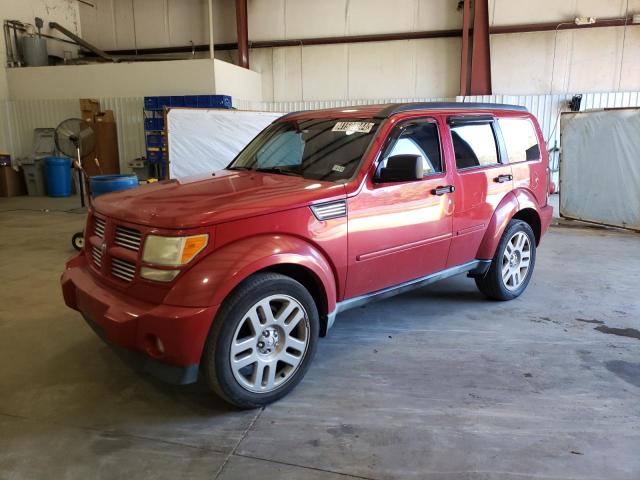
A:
(22, 116)
(18, 118)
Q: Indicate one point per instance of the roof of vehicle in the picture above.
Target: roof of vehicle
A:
(387, 110)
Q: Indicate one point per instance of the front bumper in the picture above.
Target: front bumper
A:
(132, 326)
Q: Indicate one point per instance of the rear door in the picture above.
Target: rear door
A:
(400, 231)
(482, 178)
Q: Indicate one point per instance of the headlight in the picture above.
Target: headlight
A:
(173, 251)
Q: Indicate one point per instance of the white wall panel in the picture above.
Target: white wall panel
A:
(262, 62)
(595, 59)
(310, 18)
(438, 15)
(266, 19)
(630, 74)
(188, 22)
(178, 77)
(382, 16)
(510, 12)
(437, 67)
(512, 71)
(151, 23)
(124, 31)
(287, 73)
(325, 72)
(382, 69)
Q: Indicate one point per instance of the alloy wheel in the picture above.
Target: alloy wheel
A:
(516, 259)
(269, 343)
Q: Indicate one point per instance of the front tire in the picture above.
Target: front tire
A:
(77, 241)
(512, 264)
(262, 341)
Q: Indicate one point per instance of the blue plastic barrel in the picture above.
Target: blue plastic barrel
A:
(111, 183)
(57, 171)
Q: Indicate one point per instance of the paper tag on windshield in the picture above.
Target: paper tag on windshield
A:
(338, 168)
(353, 127)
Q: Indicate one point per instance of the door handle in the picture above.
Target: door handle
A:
(443, 190)
(503, 178)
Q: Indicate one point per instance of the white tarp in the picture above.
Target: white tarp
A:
(203, 140)
(600, 167)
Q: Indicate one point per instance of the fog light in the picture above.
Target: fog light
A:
(154, 345)
(158, 275)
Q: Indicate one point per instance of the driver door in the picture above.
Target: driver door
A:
(400, 231)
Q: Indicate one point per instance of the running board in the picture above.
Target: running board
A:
(474, 268)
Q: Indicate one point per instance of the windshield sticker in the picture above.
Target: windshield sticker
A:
(353, 127)
(338, 168)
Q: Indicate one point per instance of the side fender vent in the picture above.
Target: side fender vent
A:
(327, 211)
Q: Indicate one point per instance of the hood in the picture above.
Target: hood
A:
(207, 200)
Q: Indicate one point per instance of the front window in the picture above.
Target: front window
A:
(318, 149)
(419, 139)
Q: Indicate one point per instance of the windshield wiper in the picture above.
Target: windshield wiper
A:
(283, 171)
(239, 168)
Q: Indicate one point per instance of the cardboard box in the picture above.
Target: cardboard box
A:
(90, 104)
(106, 117)
(89, 108)
(11, 182)
(106, 150)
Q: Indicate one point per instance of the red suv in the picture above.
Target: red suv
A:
(233, 276)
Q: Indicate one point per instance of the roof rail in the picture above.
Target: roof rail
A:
(407, 107)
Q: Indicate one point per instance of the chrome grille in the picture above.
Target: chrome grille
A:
(127, 238)
(96, 253)
(98, 227)
(326, 211)
(122, 269)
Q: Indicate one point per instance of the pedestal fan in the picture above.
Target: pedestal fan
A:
(75, 138)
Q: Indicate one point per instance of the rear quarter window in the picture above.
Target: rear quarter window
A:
(520, 139)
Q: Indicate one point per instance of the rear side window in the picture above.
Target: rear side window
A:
(520, 139)
(419, 139)
(474, 145)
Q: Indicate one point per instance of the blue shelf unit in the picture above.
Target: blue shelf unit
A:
(154, 131)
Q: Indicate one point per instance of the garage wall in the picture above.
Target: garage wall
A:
(130, 24)
(65, 12)
(589, 60)
(113, 80)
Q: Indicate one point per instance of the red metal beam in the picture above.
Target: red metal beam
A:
(464, 58)
(243, 33)
(565, 25)
(480, 83)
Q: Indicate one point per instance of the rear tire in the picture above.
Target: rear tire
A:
(512, 264)
(262, 341)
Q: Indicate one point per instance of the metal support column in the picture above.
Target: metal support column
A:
(464, 59)
(480, 83)
(243, 33)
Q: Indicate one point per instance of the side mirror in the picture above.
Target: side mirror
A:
(402, 168)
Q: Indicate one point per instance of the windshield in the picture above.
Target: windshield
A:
(318, 149)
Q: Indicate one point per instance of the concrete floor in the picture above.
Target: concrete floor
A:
(437, 384)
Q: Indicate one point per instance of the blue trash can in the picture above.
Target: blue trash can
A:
(57, 171)
(111, 183)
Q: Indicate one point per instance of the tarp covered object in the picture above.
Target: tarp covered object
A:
(203, 141)
(600, 167)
